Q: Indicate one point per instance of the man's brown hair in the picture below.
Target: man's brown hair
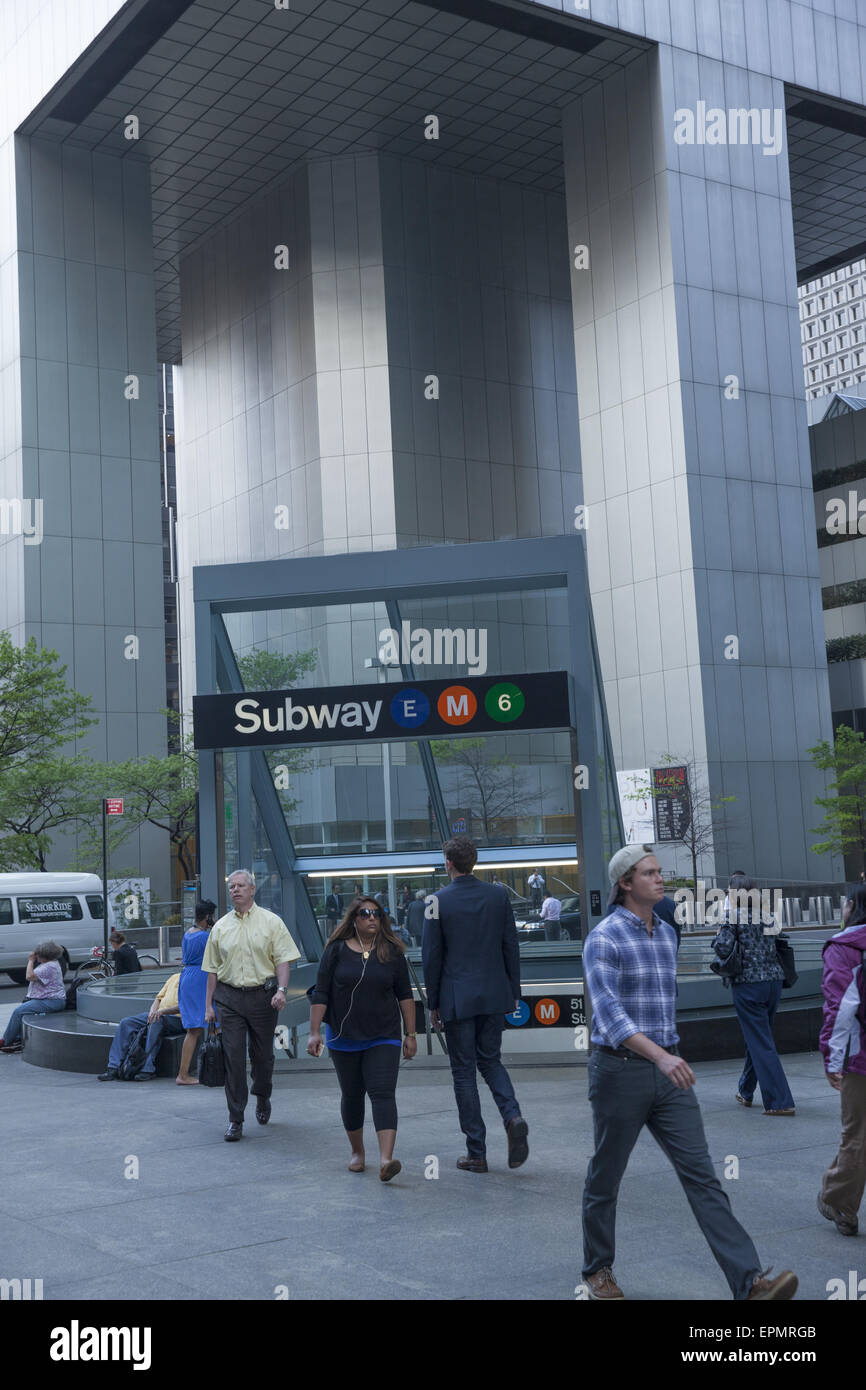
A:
(462, 853)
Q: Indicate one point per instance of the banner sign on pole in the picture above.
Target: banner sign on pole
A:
(671, 803)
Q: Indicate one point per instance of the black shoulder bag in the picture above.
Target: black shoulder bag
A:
(785, 957)
(731, 965)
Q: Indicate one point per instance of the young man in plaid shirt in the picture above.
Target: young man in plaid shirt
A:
(637, 1078)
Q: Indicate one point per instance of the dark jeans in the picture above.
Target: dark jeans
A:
(372, 1072)
(246, 1013)
(164, 1026)
(626, 1094)
(476, 1042)
(31, 1007)
(756, 1006)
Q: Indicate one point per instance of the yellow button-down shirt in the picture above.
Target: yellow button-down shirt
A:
(167, 997)
(246, 950)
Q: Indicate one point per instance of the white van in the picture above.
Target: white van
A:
(35, 907)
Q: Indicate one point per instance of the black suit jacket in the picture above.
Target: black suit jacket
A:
(470, 953)
(666, 910)
(415, 918)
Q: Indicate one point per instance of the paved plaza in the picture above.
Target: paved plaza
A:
(279, 1215)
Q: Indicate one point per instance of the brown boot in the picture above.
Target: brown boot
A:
(603, 1287)
(472, 1165)
(777, 1290)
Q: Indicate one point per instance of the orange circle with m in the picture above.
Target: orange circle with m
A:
(456, 705)
(547, 1011)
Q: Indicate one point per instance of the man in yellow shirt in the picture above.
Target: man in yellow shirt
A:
(247, 964)
(164, 1020)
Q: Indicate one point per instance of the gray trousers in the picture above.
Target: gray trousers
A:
(627, 1093)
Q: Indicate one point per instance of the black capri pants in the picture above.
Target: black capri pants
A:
(372, 1072)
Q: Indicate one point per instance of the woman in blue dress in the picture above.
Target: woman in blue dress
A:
(193, 986)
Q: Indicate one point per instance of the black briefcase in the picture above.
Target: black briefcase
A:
(211, 1059)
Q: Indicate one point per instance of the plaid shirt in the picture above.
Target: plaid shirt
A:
(631, 978)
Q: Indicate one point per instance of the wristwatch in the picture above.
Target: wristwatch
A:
(410, 1035)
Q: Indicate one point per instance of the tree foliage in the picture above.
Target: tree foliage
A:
(42, 789)
(844, 825)
(264, 670)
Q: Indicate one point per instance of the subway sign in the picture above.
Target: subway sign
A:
(356, 713)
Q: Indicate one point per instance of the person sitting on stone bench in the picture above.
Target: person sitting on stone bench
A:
(46, 992)
(164, 1020)
(126, 960)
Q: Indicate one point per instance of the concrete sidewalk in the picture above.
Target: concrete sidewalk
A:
(206, 1219)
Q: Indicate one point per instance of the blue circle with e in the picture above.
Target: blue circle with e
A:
(409, 708)
(520, 1015)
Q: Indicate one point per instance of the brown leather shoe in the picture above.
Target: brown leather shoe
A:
(517, 1131)
(844, 1225)
(777, 1290)
(472, 1165)
(603, 1287)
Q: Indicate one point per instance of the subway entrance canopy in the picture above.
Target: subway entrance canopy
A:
(330, 759)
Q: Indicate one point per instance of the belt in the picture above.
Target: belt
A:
(245, 989)
(626, 1052)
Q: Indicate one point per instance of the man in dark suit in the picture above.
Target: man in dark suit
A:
(415, 914)
(334, 907)
(472, 975)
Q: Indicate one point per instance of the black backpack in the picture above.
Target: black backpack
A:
(135, 1055)
(729, 966)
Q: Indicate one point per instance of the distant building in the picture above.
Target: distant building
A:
(833, 333)
(838, 449)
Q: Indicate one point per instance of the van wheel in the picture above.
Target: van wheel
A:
(19, 977)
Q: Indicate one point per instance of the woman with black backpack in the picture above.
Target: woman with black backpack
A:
(749, 962)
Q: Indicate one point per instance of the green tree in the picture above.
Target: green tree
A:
(37, 797)
(844, 826)
(157, 790)
(39, 712)
(42, 788)
(264, 670)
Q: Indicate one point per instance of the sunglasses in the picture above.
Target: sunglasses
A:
(369, 912)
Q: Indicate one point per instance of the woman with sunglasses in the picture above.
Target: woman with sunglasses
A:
(361, 992)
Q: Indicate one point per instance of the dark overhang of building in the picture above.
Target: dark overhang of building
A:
(232, 94)
(827, 154)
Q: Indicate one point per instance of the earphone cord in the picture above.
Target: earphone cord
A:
(352, 995)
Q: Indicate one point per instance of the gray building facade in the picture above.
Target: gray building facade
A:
(439, 274)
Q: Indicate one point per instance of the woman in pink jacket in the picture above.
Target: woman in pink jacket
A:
(843, 1044)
